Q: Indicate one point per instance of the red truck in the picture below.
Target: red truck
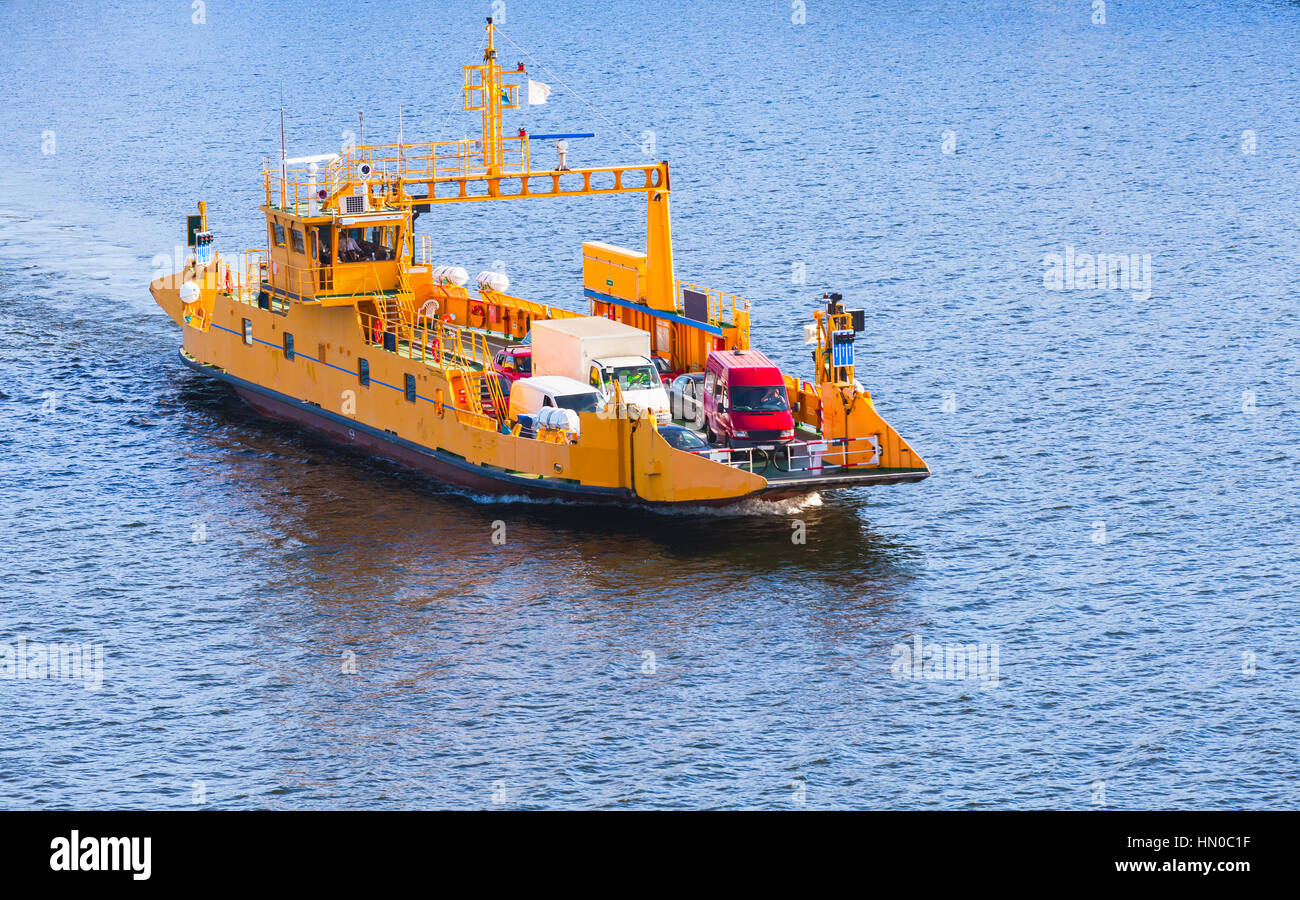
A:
(745, 401)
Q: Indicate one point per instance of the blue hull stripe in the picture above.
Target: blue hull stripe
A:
(658, 314)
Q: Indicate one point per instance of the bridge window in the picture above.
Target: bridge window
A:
(351, 245)
(277, 234)
(384, 239)
(373, 244)
(298, 245)
(322, 245)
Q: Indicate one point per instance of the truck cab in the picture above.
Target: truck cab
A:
(745, 400)
(606, 356)
(638, 383)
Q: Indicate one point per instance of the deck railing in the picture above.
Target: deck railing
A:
(463, 356)
(442, 344)
(806, 457)
(438, 159)
(251, 274)
(294, 188)
(724, 309)
(342, 279)
(241, 275)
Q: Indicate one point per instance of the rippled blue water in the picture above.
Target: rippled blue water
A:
(1113, 509)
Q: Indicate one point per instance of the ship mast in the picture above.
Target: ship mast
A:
(492, 153)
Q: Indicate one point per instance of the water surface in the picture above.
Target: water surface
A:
(1112, 510)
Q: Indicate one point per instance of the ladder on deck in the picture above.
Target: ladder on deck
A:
(485, 398)
(397, 307)
(390, 309)
(500, 404)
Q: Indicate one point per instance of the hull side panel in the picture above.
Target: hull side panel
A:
(442, 466)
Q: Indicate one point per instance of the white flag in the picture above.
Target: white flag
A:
(537, 92)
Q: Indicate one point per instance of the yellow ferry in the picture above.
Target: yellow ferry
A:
(347, 325)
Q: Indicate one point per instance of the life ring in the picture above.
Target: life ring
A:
(477, 310)
(230, 284)
(376, 330)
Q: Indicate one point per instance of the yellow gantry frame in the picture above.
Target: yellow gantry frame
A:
(487, 91)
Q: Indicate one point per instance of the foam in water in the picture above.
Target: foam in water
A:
(752, 507)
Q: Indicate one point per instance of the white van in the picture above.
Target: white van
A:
(529, 396)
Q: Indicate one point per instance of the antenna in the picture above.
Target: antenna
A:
(284, 165)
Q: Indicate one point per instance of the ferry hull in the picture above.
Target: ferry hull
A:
(448, 469)
(443, 467)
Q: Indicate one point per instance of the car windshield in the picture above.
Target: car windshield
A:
(759, 398)
(683, 438)
(523, 363)
(579, 402)
(635, 378)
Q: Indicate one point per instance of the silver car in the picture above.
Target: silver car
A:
(686, 398)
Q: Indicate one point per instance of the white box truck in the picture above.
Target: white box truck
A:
(601, 353)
